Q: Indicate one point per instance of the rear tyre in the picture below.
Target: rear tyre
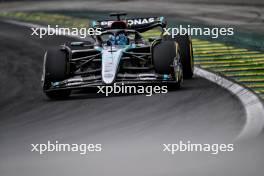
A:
(55, 69)
(186, 53)
(166, 58)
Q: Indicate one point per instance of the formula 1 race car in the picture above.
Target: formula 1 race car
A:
(120, 54)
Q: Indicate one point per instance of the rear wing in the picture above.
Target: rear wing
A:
(138, 24)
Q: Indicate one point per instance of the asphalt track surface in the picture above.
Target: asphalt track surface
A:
(131, 128)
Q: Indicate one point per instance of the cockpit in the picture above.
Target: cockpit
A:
(120, 37)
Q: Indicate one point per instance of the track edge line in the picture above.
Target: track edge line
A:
(254, 107)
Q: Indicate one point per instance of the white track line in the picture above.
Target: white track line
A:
(251, 102)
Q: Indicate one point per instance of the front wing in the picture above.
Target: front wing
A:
(79, 82)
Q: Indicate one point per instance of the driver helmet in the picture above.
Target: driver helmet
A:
(120, 39)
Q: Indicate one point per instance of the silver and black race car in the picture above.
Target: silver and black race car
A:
(119, 55)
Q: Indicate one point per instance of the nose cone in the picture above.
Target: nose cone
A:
(110, 63)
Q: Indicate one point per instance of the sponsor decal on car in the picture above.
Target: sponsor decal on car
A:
(137, 21)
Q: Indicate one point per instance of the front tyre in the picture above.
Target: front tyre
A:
(167, 61)
(186, 53)
(55, 69)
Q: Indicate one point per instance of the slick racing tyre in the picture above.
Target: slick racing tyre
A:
(166, 59)
(186, 53)
(55, 68)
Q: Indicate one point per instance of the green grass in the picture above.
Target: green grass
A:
(245, 73)
(227, 58)
(240, 64)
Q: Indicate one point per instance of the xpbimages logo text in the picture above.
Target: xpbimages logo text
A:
(188, 146)
(74, 31)
(131, 89)
(198, 31)
(171, 31)
(56, 146)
